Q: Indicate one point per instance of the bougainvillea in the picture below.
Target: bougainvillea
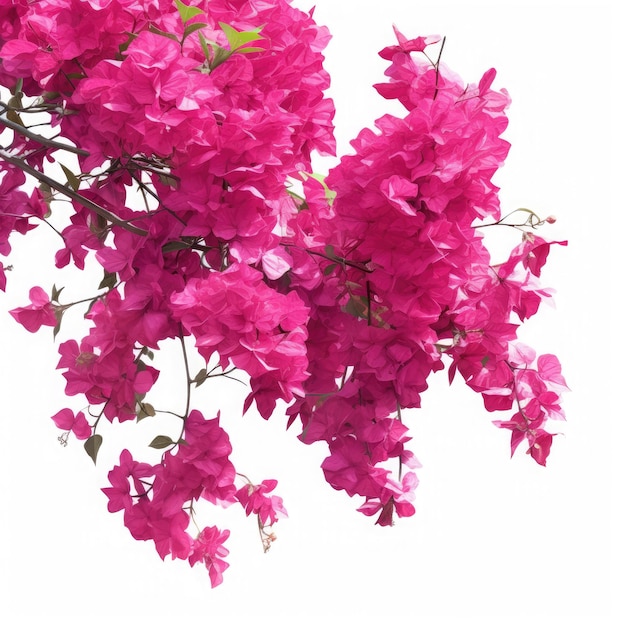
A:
(337, 296)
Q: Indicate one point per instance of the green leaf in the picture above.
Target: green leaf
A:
(201, 376)
(15, 102)
(231, 34)
(72, 179)
(172, 246)
(54, 295)
(157, 31)
(186, 12)
(237, 39)
(145, 410)
(247, 50)
(329, 251)
(124, 46)
(98, 226)
(109, 280)
(205, 47)
(17, 90)
(161, 441)
(92, 445)
(356, 306)
(192, 28)
(169, 180)
(329, 269)
(47, 195)
(220, 55)
(14, 117)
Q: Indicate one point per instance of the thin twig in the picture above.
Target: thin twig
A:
(443, 43)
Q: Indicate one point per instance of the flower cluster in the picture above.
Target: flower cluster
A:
(339, 303)
(156, 500)
(254, 499)
(250, 325)
(412, 277)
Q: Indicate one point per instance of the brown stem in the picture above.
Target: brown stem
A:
(44, 141)
(70, 193)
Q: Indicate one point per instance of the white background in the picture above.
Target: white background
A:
(493, 540)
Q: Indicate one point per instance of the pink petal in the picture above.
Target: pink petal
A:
(64, 419)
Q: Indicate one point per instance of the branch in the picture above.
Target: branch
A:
(44, 141)
(70, 193)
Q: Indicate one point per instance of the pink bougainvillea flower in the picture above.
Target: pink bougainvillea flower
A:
(120, 494)
(39, 313)
(207, 450)
(340, 302)
(395, 497)
(257, 328)
(209, 548)
(532, 252)
(17, 57)
(254, 499)
(398, 190)
(549, 369)
(77, 424)
(540, 446)
(419, 44)
(146, 521)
